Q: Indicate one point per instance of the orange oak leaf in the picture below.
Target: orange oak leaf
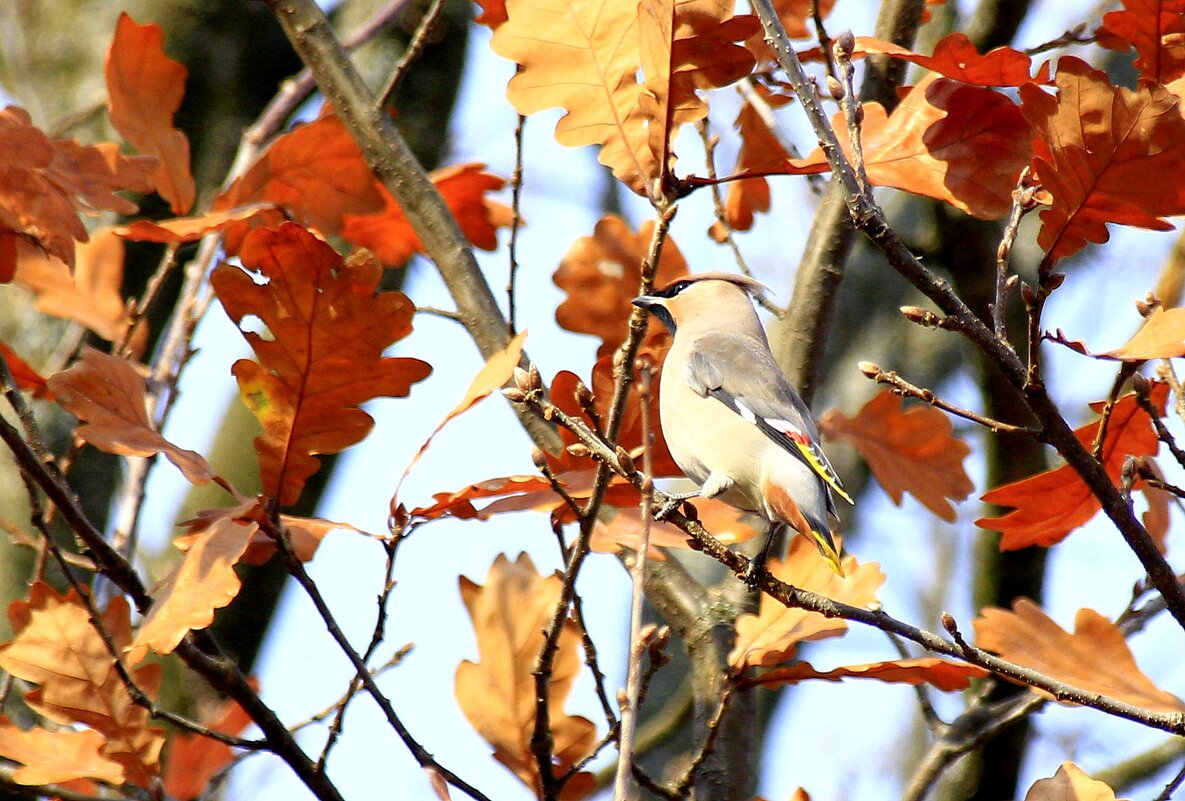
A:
(53, 757)
(1156, 29)
(620, 528)
(583, 58)
(24, 375)
(493, 13)
(956, 57)
(1069, 784)
(107, 394)
(463, 186)
(497, 693)
(964, 145)
(56, 647)
(323, 356)
(145, 88)
(496, 372)
(193, 760)
(941, 673)
(603, 272)
(91, 296)
(908, 451)
(1049, 505)
(1095, 657)
(1162, 336)
(795, 14)
(315, 173)
(459, 504)
(189, 229)
(684, 47)
(202, 581)
(45, 182)
(773, 634)
(760, 151)
(1103, 154)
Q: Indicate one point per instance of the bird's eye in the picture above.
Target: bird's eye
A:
(678, 287)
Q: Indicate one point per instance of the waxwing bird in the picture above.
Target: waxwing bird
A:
(731, 419)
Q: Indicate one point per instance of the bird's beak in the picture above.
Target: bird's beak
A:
(645, 301)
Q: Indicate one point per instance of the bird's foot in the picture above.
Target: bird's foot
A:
(752, 576)
(673, 502)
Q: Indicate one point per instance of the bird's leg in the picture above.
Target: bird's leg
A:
(757, 563)
(673, 502)
(713, 485)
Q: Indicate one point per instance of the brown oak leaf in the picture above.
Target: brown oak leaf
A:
(56, 647)
(907, 450)
(1049, 505)
(1156, 29)
(323, 355)
(107, 393)
(497, 693)
(941, 673)
(145, 88)
(1069, 784)
(1095, 657)
(45, 182)
(602, 273)
(1103, 154)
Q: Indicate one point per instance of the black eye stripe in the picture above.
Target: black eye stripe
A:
(673, 289)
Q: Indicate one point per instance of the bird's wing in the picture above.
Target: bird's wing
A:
(740, 372)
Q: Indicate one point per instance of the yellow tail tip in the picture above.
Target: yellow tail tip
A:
(827, 549)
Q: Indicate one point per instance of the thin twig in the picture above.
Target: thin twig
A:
(1022, 203)
(516, 224)
(414, 48)
(824, 39)
(1172, 786)
(362, 671)
(853, 112)
(903, 387)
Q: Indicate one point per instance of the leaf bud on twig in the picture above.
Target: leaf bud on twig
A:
(870, 369)
(539, 458)
(916, 314)
(579, 450)
(584, 395)
(845, 45)
(514, 394)
(623, 458)
(834, 87)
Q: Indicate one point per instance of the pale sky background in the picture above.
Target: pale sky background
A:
(838, 741)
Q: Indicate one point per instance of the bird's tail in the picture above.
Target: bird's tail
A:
(826, 545)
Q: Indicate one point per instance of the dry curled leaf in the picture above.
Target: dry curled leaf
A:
(45, 182)
(1162, 336)
(907, 450)
(1094, 658)
(53, 757)
(25, 376)
(107, 394)
(497, 693)
(202, 581)
(943, 674)
(56, 647)
(145, 88)
(322, 356)
(90, 295)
